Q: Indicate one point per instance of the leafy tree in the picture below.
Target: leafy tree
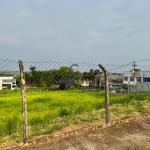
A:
(90, 75)
(32, 68)
(49, 78)
(96, 72)
(85, 75)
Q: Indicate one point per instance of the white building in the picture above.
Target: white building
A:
(85, 83)
(132, 78)
(7, 83)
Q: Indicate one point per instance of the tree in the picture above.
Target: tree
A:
(85, 75)
(64, 77)
(96, 72)
(32, 68)
(48, 78)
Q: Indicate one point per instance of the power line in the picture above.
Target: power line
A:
(122, 66)
(143, 60)
(134, 64)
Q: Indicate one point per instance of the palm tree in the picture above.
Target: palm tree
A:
(33, 68)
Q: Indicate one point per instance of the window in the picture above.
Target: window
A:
(131, 78)
(125, 78)
(138, 79)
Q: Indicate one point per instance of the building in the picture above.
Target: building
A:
(7, 82)
(85, 83)
(140, 87)
(132, 78)
(115, 81)
(138, 81)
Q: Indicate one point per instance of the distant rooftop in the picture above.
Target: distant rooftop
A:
(4, 74)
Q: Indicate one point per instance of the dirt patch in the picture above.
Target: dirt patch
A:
(131, 134)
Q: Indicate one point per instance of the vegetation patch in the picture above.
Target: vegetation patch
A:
(49, 111)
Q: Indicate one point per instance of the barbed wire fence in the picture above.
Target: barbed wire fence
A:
(63, 93)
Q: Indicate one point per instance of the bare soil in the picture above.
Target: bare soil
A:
(133, 134)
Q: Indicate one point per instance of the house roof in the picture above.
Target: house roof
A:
(112, 78)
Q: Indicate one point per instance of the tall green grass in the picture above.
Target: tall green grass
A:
(49, 111)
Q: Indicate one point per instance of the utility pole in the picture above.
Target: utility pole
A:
(134, 65)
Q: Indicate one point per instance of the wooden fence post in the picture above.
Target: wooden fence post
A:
(106, 94)
(24, 105)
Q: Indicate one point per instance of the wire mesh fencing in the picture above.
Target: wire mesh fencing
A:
(10, 100)
(59, 93)
(129, 90)
(130, 78)
(63, 93)
(59, 75)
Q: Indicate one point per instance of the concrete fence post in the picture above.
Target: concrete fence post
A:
(106, 94)
(24, 105)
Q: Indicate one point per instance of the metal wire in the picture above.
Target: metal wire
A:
(51, 78)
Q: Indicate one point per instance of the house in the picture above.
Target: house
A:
(137, 81)
(85, 83)
(115, 81)
(132, 78)
(7, 81)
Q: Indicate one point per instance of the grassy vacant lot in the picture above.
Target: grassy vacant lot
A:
(49, 111)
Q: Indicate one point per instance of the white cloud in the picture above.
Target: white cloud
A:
(77, 29)
(10, 40)
(23, 14)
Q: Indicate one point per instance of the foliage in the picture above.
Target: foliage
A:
(91, 74)
(49, 111)
(63, 77)
(43, 108)
(51, 78)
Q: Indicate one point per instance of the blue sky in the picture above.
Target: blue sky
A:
(93, 31)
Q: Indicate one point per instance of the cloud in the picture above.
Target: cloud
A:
(76, 30)
(23, 14)
(10, 40)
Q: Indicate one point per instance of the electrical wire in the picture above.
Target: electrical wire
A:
(121, 66)
(129, 64)
(142, 60)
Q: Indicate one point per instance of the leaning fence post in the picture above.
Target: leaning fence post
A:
(106, 93)
(24, 105)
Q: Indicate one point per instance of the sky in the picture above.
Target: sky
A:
(89, 31)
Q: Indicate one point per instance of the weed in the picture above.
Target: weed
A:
(64, 112)
(99, 105)
(49, 111)
(125, 117)
(11, 125)
(140, 106)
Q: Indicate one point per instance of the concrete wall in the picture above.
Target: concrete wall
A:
(140, 87)
(144, 75)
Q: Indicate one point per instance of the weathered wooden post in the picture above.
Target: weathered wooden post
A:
(106, 94)
(24, 105)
